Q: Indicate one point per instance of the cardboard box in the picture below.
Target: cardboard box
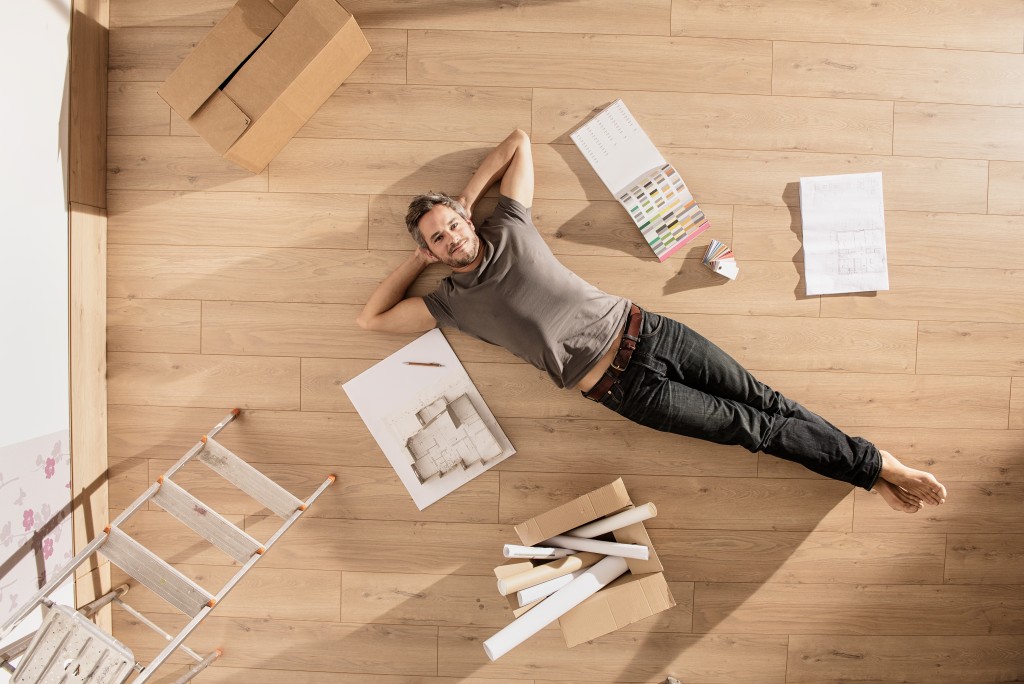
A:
(640, 593)
(262, 72)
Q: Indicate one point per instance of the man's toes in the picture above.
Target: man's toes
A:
(897, 498)
(906, 498)
(898, 504)
(936, 494)
(907, 502)
(925, 487)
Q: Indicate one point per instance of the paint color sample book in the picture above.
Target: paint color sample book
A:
(648, 187)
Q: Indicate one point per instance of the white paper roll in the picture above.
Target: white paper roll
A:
(516, 551)
(545, 572)
(615, 522)
(637, 551)
(555, 606)
(539, 591)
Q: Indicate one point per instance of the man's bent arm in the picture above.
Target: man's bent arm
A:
(512, 162)
(389, 310)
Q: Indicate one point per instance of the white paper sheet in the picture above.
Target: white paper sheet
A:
(431, 412)
(617, 147)
(844, 233)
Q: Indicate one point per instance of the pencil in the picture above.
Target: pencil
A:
(424, 363)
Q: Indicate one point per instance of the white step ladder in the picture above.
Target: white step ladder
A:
(70, 648)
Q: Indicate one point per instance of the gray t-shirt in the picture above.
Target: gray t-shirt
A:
(523, 299)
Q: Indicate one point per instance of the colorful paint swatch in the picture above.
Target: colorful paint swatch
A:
(656, 198)
(663, 209)
(720, 259)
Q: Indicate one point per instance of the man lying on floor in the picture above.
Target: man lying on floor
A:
(507, 288)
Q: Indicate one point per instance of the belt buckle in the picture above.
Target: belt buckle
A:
(626, 348)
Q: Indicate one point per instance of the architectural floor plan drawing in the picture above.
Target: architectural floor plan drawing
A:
(428, 418)
(452, 436)
(843, 226)
(857, 252)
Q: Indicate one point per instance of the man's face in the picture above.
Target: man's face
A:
(450, 238)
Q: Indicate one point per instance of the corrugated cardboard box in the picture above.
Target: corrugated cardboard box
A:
(634, 596)
(262, 72)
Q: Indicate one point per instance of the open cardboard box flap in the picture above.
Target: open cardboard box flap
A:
(300, 38)
(218, 54)
(262, 72)
(597, 504)
(629, 599)
(279, 116)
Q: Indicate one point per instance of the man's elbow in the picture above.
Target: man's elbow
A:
(365, 322)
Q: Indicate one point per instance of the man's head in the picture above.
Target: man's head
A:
(439, 224)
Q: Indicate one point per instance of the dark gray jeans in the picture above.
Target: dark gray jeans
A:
(677, 381)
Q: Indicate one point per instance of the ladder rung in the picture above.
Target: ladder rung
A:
(149, 569)
(248, 479)
(206, 522)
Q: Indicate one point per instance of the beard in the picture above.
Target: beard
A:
(466, 256)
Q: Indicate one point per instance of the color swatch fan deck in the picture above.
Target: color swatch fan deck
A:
(720, 259)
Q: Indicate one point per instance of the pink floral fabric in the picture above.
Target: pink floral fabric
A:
(35, 498)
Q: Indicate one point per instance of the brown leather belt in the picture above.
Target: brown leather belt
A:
(630, 336)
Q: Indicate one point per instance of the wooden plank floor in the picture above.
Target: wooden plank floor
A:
(228, 288)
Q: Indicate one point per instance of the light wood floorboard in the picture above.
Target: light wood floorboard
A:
(968, 132)
(897, 73)
(576, 60)
(231, 289)
(237, 219)
(1006, 188)
(746, 122)
(154, 325)
(879, 659)
(856, 610)
(134, 108)
(987, 25)
(984, 558)
(643, 17)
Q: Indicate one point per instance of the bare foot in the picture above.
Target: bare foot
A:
(917, 483)
(897, 498)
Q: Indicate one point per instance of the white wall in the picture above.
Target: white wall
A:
(34, 413)
(34, 247)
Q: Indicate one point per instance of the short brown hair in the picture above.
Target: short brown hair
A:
(421, 205)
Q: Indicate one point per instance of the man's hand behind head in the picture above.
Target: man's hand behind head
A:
(426, 257)
(461, 199)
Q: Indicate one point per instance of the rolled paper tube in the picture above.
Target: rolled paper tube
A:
(615, 522)
(543, 573)
(555, 606)
(516, 551)
(637, 551)
(539, 591)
